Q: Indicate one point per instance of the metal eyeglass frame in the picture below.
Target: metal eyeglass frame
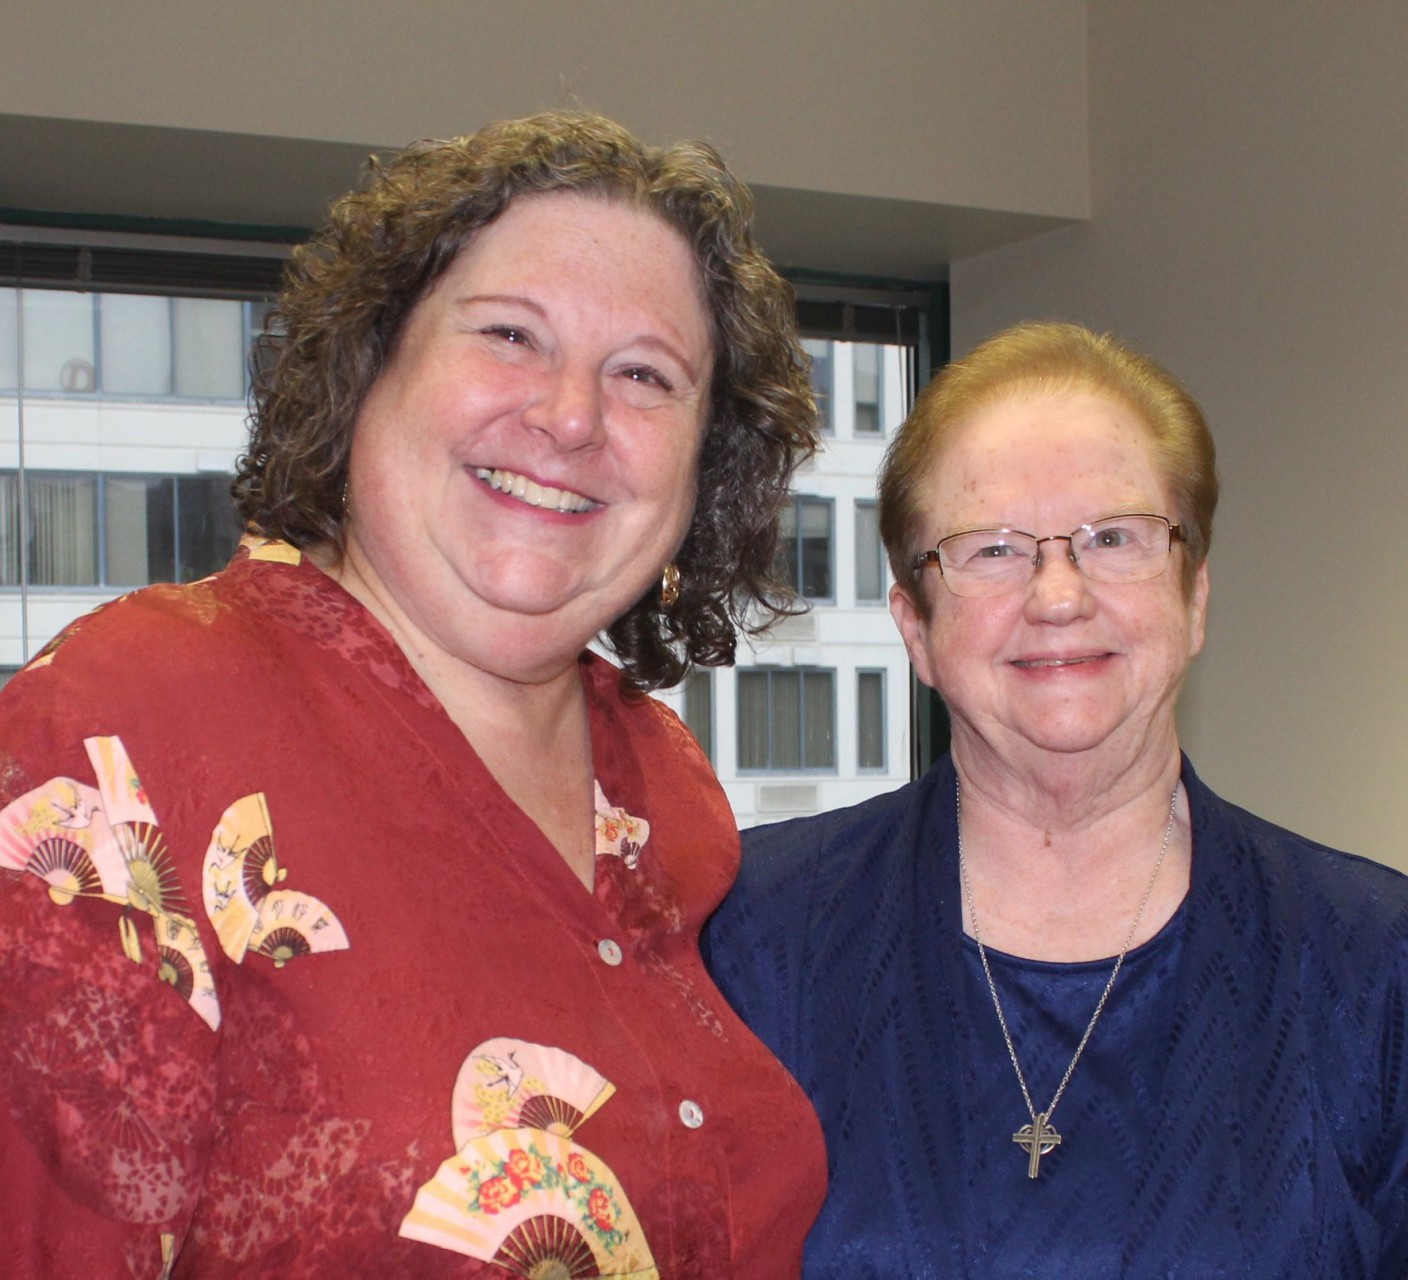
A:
(932, 556)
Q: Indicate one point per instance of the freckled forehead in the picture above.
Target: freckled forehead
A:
(1039, 456)
(583, 232)
(594, 257)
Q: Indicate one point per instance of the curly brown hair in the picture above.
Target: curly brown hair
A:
(349, 290)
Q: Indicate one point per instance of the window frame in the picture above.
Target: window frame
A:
(823, 386)
(797, 539)
(104, 585)
(700, 678)
(882, 730)
(907, 313)
(879, 402)
(881, 565)
(251, 316)
(773, 675)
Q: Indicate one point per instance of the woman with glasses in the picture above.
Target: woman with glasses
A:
(1063, 1011)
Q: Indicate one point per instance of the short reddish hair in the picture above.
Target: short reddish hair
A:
(1048, 357)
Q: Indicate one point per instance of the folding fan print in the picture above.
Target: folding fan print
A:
(260, 548)
(536, 1204)
(104, 842)
(506, 1084)
(124, 800)
(519, 1191)
(618, 834)
(59, 833)
(249, 913)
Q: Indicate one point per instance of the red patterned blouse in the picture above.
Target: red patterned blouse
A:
(289, 987)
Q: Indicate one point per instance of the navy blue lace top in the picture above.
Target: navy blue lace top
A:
(1241, 1109)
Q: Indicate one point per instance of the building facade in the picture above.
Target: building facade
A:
(816, 713)
(121, 415)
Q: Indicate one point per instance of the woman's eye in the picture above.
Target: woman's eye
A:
(647, 376)
(509, 333)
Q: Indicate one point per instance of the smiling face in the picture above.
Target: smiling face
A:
(1063, 665)
(525, 464)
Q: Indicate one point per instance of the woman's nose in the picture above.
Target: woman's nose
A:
(1058, 591)
(567, 407)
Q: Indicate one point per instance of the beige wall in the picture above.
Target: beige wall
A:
(1243, 163)
(1250, 229)
(833, 108)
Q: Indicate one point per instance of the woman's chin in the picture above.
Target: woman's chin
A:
(526, 635)
(1068, 732)
(532, 605)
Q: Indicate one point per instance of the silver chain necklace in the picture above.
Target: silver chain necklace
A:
(1039, 1138)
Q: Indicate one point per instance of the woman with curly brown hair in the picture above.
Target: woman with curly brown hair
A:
(411, 881)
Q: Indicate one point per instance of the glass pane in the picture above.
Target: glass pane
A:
(58, 341)
(258, 356)
(820, 703)
(138, 520)
(820, 352)
(752, 719)
(870, 564)
(870, 719)
(209, 531)
(210, 347)
(699, 709)
(786, 565)
(9, 339)
(816, 569)
(787, 522)
(9, 529)
(63, 533)
(135, 341)
(786, 736)
(816, 519)
(867, 388)
(816, 550)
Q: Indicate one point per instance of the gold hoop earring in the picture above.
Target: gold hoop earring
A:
(670, 585)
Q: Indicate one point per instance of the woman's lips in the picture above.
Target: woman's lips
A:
(1033, 664)
(532, 493)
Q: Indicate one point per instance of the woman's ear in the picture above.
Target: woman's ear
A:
(1198, 610)
(912, 619)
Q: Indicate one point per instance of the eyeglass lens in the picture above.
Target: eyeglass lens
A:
(993, 561)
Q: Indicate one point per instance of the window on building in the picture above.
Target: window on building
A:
(870, 719)
(820, 351)
(126, 344)
(786, 719)
(93, 530)
(804, 547)
(61, 541)
(59, 342)
(870, 554)
(866, 357)
(102, 334)
(699, 708)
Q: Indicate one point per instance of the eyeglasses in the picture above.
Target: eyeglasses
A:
(992, 562)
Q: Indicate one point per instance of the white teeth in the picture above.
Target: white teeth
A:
(1053, 662)
(532, 493)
